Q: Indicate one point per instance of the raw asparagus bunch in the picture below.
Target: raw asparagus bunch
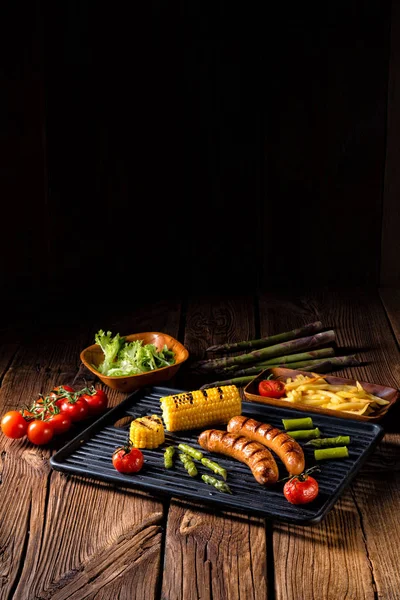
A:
(319, 366)
(283, 349)
(280, 361)
(325, 366)
(333, 364)
(307, 330)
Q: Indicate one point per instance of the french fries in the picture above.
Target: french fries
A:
(315, 391)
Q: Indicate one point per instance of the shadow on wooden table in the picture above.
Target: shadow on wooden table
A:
(391, 422)
(87, 481)
(202, 508)
(327, 532)
(385, 461)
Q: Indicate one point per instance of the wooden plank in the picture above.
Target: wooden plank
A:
(8, 348)
(390, 247)
(214, 556)
(25, 471)
(376, 495)
(209, 318)
(347, 553)
(331, 553)
(69, 532)
(391, 301)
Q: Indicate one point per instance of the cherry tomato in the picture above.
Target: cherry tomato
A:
(38, 407)
(273, 388)
(301, 489)
(13, 425)
(60, 423)
(41, 405)
(40, 432)
(97, 402)
(57, 391)
(128, 460)
(77, 410)
(27, 414)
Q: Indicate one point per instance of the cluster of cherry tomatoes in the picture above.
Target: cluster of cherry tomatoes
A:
(53, 414)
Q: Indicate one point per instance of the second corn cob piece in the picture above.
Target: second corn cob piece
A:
(147, 432)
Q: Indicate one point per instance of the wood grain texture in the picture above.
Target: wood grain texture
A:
(350, 563)
(8, 348)
(391, 301)
(213, 556)
(390, 245)
(214, 318)
(26, 479)
(64, 537)
(376, 496)
(376, 491)
(324, 561)
(100, 550)
(68, 537)
(209, 556)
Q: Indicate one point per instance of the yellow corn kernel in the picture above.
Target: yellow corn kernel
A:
(193, 410)
(147, 432)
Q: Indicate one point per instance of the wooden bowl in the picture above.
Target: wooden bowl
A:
(387, 393)
(93, 355)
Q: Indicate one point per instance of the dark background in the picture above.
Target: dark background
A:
(192, 147)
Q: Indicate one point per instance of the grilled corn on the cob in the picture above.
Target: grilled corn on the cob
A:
(147, 432)
(201, 408)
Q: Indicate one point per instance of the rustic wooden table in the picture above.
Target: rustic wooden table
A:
(64, 537)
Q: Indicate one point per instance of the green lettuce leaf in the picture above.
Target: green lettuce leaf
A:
(111, 347)
(123, 358)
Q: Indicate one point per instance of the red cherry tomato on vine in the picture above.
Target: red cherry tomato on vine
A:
(301, 489)
(61, 423)
(27, 414)
(273, 388)
(128, 460)
(57, 391)
(13, 425)
(40, 432)
(97, 402)
(77, 410)
(38, 407)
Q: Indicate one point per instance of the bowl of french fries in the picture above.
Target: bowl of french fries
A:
(326, 394)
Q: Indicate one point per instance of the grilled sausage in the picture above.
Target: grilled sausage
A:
(253, 454)
(288, 450)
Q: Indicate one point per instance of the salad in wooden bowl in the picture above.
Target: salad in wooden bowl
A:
(126, 363)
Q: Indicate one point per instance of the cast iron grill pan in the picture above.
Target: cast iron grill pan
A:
(89, 454)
